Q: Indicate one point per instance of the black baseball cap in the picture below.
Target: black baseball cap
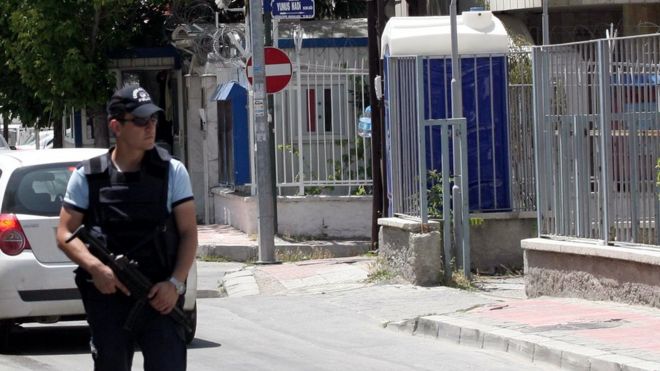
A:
(131, 99)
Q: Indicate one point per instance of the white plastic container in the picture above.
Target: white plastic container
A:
(479, 32)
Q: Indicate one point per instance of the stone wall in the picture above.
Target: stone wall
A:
(592, 271)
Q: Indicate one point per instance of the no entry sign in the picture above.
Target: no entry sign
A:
(278, 69)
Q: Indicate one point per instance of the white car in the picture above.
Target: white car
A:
(36, 277)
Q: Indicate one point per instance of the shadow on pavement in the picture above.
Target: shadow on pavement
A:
(49, 339)
(64, 339)
(198, 343)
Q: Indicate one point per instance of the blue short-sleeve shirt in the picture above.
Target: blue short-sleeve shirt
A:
(179, 189)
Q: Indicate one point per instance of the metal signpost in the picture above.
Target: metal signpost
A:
(269, 71)
(462, 206)
(263, 158)
(292, 9)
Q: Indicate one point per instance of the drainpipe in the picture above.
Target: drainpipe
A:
(298, 36)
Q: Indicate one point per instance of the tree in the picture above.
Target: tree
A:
(16, 100)
(340, 9)
(56, 51)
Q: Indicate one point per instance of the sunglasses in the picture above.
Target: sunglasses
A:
(143, 121)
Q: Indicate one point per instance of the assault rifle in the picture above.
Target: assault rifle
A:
(128, 274)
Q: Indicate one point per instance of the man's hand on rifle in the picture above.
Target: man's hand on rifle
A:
(163, 297)
(106, 281)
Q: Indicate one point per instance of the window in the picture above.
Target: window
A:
(37, 190)
(69, 119)
(322, 105)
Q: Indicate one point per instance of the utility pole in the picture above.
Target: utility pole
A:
(376, 145)
(381, 21)
(268, 35)
(262, 134)
(545, 23)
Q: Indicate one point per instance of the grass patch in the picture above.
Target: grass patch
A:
(502, 271)
(298, 238)
(379, 271)
(212, 258)
(459, 281)
(298, 254)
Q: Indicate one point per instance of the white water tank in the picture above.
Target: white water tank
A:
(479, 32)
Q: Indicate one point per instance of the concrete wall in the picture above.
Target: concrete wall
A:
(194, 151)
(210, 145)
(201, 142)
(238, 211)
(592, 271)
(325, 216)
(495, 243)
(301, 216)
(410, 252)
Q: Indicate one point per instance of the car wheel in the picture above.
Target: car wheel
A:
(192, 319)
(5, 330)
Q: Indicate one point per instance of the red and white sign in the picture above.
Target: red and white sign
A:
(278, 69)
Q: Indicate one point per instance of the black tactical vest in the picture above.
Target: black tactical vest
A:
(131, 210)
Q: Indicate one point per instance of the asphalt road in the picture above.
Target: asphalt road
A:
(272, 333)
(314, 331)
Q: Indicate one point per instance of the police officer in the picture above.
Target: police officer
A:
(141, 200)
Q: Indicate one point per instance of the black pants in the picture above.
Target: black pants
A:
(159, 337)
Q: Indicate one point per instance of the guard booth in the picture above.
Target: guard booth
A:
(233, 134)
(482, 47)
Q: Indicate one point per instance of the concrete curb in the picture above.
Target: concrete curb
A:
(240, 283)
(533, 347)
(313, 249)
(235, 253)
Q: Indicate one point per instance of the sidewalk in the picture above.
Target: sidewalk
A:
(568, 333)
(224, 241)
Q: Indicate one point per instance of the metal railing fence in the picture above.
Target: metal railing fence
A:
(597, 130)
(317, 147)
(402, 133)
(423, 185)
(491, 173)
(521, 130)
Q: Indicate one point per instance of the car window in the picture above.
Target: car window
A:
(37, 190)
